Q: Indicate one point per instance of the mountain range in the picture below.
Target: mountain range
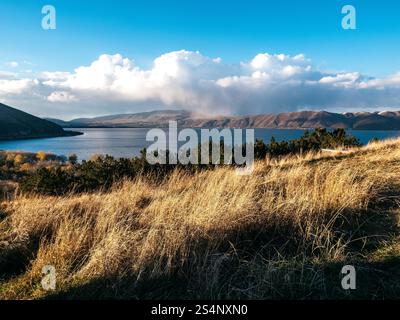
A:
(16, 124)
(386, 120)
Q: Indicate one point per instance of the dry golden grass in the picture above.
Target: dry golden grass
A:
(276, 233)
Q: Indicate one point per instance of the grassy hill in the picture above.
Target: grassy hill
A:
(283, 232)
(16, 124)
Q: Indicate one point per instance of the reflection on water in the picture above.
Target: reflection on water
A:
(127, 142)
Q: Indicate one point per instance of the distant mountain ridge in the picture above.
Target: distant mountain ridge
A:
(16, 124)
(387, 120)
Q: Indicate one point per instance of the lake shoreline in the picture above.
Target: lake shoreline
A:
(128, 142)
(67, 133)
(164, 126)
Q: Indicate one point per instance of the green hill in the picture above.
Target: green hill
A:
(16, 124)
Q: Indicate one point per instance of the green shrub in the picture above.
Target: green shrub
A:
(101, 172)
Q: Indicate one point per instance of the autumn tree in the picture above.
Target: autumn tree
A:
(41, 156)
(18, 159)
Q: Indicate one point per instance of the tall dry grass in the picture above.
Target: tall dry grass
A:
(215, 234)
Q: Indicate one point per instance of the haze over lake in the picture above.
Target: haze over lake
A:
(127, 142)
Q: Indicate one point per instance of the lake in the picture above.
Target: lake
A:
(127, 142)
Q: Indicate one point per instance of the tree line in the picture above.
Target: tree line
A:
(101, 172)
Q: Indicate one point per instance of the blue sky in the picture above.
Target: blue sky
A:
(232, 30)
(235, 31)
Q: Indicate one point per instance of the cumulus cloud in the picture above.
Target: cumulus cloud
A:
(7, 75)
(13, 64)
(61, 96)
(16, 86)
(192, 81)
(343, 79)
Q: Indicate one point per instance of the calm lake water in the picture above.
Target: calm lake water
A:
(127, 142)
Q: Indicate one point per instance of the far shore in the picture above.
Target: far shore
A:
(66, 133)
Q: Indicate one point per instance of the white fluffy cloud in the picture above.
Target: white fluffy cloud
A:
(61, 96)
(16, 86)
(13, 64)
(192, 81)
(7, 75)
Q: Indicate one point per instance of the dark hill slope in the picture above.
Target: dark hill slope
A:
(16, 124)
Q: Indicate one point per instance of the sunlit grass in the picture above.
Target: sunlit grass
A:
(282, 232)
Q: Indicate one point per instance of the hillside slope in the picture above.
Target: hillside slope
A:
(283, 232)
(302, 119)
(16, 124)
